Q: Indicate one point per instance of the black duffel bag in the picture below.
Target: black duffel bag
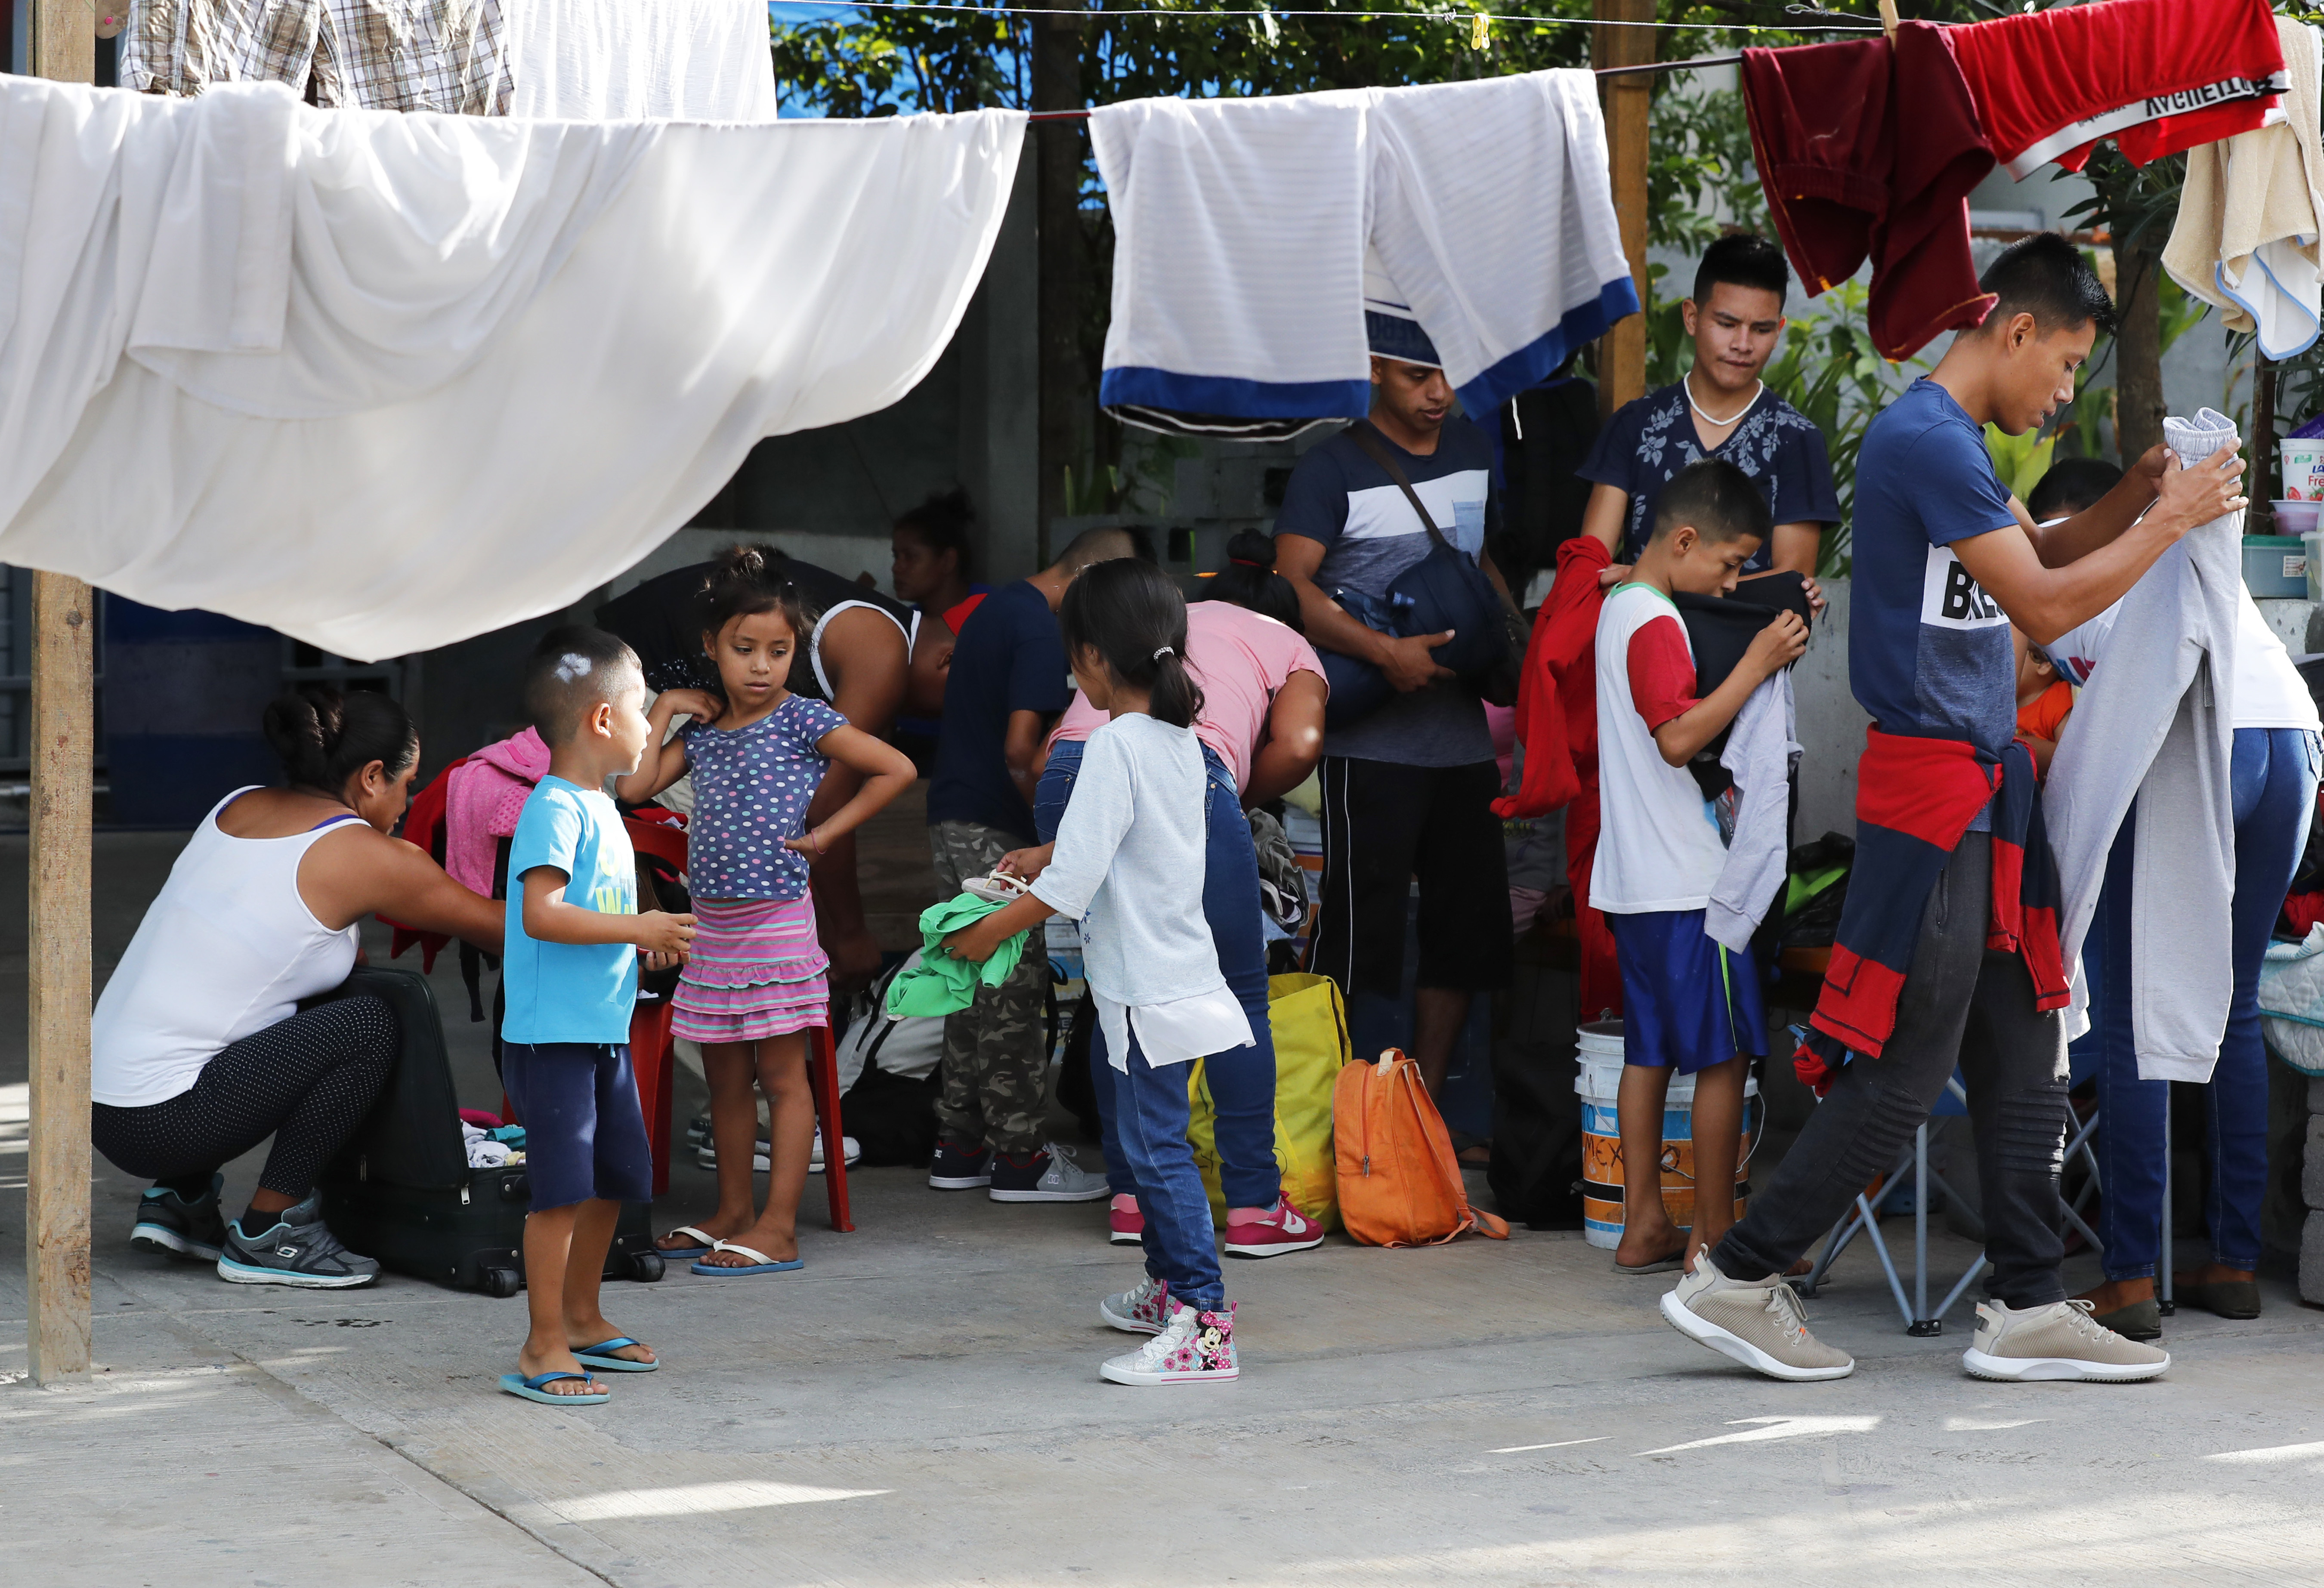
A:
(1444, 590)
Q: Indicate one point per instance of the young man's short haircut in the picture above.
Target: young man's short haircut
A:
(2071, 484)
(570, 671)
(1742, 260)
(1104, 545)
(1716, 498)
(2047, 277)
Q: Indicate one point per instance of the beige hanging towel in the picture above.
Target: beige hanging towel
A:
(2249, 216)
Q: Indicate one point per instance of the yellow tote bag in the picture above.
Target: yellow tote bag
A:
(1311, 1044)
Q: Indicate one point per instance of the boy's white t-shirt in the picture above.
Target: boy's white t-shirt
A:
(1657, 849)
(2269, 692)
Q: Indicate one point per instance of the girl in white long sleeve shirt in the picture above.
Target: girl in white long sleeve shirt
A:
(1127, 865)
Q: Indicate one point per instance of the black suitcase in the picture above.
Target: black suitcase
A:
(402, 1190)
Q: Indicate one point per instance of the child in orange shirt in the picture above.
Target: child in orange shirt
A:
(2043, 701)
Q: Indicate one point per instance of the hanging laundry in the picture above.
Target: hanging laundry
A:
(634, 60)
(386, 382)
(1868, 149)
(373, 54)
(1242, 229)
(2155, 76)
(2251, 211)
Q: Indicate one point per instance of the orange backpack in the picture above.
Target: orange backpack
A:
(1399, 1182)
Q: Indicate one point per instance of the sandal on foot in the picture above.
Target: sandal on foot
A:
(1661, 1265)
(530, 1388)
(704, 1240)
(601, 1356)
(761, 1263)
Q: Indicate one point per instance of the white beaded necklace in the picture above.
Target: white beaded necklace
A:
(1686, 384)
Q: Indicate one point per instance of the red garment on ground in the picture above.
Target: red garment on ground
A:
(1557, 723)
(1868, 152)
(2155, 76)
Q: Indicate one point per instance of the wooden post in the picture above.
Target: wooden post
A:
(1059, 246)
(2259, 475)
(56, 1199)
(1622, 352)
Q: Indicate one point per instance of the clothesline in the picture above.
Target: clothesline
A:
(1446, 14)
(1605, 71)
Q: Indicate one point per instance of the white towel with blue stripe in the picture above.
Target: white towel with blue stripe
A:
(1243, 229)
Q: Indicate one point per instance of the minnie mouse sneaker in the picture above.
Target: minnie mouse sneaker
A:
(1198, 1348)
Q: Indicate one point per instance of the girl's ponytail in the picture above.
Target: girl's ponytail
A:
(1130, 614)
(1175, 699)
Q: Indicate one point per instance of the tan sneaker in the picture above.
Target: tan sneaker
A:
(2060, 1340)
(1760, 1324)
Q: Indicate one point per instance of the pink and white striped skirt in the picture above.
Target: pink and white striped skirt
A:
(756, 970)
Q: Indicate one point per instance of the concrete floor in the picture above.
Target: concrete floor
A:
(921, 1407)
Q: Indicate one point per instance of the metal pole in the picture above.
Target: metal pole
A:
(56, 1200)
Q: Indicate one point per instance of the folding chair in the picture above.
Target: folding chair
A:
(1864, 1219)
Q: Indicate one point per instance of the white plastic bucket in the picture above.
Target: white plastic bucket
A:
(1598, 1050)
(2304, 468)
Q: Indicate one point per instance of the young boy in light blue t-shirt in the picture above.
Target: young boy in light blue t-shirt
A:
(573, 936)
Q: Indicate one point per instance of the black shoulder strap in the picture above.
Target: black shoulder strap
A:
(1364, 436)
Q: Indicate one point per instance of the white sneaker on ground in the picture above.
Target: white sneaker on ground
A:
(1198, 1348)
(1760, 1323)
(2060, 1342)
(1147, 1310)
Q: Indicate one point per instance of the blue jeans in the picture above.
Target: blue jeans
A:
(1147, 1128)
(2274, 774)
(1241, 1081)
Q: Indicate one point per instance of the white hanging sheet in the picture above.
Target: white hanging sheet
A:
(635, 59)
(1242, 229)
(383, 382)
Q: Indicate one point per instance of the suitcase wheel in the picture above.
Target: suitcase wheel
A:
(646, 1266)
(499, 1281)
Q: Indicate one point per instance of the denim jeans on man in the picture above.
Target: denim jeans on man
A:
(1242, 1081)
(2272, 775)
(1960, 1003)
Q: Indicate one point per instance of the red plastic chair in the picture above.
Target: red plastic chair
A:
(823, 1076)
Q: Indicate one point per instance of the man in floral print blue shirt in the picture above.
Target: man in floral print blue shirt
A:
(1720, 410)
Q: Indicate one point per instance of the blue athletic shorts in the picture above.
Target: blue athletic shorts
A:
(585, 1134)
(1687, 1003)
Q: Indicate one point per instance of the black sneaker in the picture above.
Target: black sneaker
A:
(1048, 1175)
(955, 1170)
(168, 1223)
(301, 1250)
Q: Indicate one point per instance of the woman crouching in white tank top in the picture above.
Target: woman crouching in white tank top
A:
(198, 1049)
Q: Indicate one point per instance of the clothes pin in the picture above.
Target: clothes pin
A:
(1889, 19)
(1481, 30)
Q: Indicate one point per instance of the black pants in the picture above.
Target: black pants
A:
(1960, 1004)
(1384, 825)
(307, 1082)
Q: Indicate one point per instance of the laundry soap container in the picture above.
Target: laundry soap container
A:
(2276, 567)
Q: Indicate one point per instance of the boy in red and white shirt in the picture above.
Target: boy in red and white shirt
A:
(1687, 1003)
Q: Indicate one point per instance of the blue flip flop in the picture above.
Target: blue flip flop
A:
(762, 1265)
(530, 1388)
(599, 1356)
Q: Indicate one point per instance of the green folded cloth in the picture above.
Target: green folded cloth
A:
(942, 981)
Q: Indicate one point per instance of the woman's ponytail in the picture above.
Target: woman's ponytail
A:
(1250, 580)
(324, 737)
(1130, 614)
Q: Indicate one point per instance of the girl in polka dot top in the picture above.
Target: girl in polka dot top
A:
(756, 980)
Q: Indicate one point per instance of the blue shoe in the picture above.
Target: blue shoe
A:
(955, 1170)
(761, 1263)
(530, 1388)
(299, 1251)
(600, 1356)
(167, 1222)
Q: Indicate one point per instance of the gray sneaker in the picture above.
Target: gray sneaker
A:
(1760, 1323)
(2060, 1340)
(300, 1251)
(167, 1222)
(1048, 1175)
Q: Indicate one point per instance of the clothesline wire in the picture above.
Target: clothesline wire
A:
(1448, 14)
(1604, 71)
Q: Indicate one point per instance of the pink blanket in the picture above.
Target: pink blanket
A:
(483, 801)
